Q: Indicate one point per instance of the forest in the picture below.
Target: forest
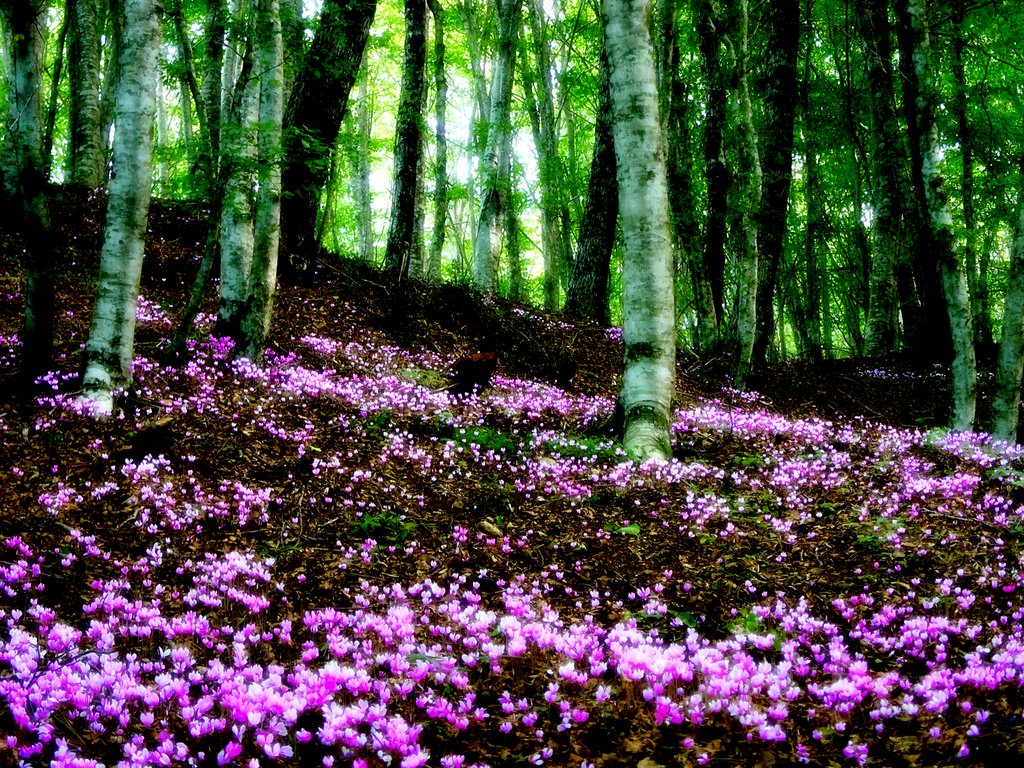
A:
(583, 383)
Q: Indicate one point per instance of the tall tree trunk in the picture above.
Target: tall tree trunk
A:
(886, 197)
(587, 295)
(24, 183)
(88, 149)
(237, 215)
(112, 333)
(550, 166)
(434, 257)
(313, 117)
(648, 304)
(747, 191)
(675, 99)
(914, 19)
(408, 144)
(52, 105)
(360, 162)
(716, 167)
(982, 324)
(495, 162)
(808, 315)
(777, 160)
(212, 99)
(263, 275)
(1006, 403)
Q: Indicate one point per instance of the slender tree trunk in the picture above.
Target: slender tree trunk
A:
(113, 33)
(112, 333)
(52, 105)
(648, 304)
(587, 295)
(495, 162)
(408, 144)
(913, 16)
(808, 315)
(434, 257)
(887, 200)
(675, 99)
(982, 324)
(24, 183)
(747, 192)
(1006, 403)
(263, 276)
(88, 149)
(777, 160)
(202, 161)
(550, 166)
(716, 167)
(360, 162)
(212, 99)
(238, 153)
(313, 116)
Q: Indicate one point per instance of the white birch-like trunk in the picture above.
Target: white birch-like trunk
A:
(238, 143)
(951, 269)
(88, 148)
(112, 333)
(263, 274)
(1006, 403)
(494, 165)
(648, 303)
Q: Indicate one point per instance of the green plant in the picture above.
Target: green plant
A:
(385, 526)
(487, 439)
(579, 447)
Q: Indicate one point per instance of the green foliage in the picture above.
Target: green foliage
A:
(386, 526)
(599, 449)
(488, 439)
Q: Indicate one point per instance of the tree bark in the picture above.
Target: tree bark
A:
(494, 167)
(939, 230)
(716, 167)
(780, 84)
(408, 143)
(648, 304)
(237, 214)
(747, 192)
(88, 149)
(313, 117)
(263, 275)
(433, 266)
(112, 333)
(550, 165)
(24, 182)
(1006, 403)
(887, 200)
(587, 295)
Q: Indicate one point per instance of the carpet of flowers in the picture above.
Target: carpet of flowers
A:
(328, 560)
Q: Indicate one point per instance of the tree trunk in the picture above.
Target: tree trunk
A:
(212, 98)
(675, 99)
(587, 295)
(550, 166)
(52, 104)
(495, 163)
(88, 149)
(263, 275)
(24, 183)
(780, 84)
(408, 144)
(112, 333)
(716, 167)
(913, 17)
(887, 200)
(808, 315)
(1006, 403)
(360, 161)
(982, 324)
(313, 117)
(237, 235)
(433, 266)
(747, 192)
(648, 304)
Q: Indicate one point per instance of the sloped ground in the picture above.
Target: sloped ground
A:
(331, 560)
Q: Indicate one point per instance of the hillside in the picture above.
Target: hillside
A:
(331, 560)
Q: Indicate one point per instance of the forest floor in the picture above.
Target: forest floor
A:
(331, 560)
